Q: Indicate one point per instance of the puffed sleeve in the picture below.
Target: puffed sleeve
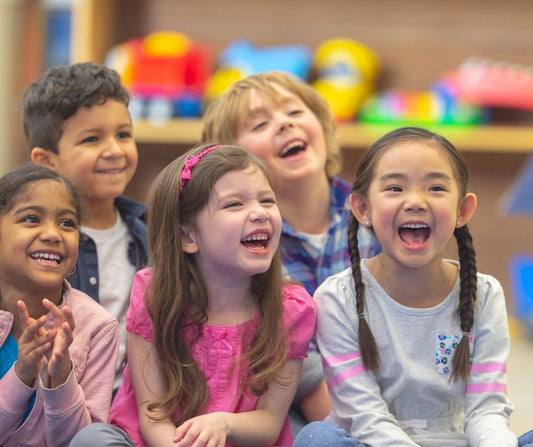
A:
(138, 319)
(299, 315)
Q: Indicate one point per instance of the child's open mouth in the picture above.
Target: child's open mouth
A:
(47, 258)
(292, 149)
(414, 233)
(110, 171)
(257, 241)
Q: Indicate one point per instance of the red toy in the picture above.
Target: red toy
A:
(491, 84)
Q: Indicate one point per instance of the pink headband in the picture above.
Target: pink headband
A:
(191, 161)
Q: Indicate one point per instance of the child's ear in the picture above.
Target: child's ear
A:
(42, 157)
(188, 240)
(466, 210)
(360, 210)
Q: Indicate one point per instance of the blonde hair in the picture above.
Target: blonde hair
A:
(176, 297)
(223, 117)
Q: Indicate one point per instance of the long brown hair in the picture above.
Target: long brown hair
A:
(223, 117)
(467, 254)
(177, 297)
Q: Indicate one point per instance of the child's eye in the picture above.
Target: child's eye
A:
(393, 188)
(270, 200)
(89, 140)
(232, 204)
(259, 125)
(437, 188)
(295, 112)
(69, 223)
(32, 219)
(124, 135)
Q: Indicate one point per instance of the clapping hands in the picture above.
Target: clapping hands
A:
(40, 339)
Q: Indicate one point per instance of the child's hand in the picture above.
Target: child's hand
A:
(207, 430)
(59, 363)
(34, 342)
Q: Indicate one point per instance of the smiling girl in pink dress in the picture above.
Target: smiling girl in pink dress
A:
(215, 338)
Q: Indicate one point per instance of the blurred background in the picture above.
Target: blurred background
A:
(463, 69)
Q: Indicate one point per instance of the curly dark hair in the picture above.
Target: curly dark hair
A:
(59, 93)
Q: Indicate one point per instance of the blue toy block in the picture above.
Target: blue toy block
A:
(519, 197)
(521, 273)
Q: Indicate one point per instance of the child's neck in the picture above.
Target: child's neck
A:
(418, 288)
(102, 214)
(229, 305)
(305, 205)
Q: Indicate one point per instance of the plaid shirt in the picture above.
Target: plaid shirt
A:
(302, 262)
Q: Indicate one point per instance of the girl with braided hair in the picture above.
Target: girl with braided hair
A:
(414, 345)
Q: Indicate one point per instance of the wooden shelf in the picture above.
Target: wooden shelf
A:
(504, 139)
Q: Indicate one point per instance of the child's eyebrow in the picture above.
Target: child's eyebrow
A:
(40, 209)
(257, 111)
(24, 209)
(428, 176)
(392, 176)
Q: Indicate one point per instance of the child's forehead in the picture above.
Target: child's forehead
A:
(101, 114)
(413, 154)
(242, 179)
(44, 188)
(274, 93)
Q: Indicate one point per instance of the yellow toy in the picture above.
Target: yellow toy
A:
(346, 71)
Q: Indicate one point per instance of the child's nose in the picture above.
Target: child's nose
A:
(50, 233)
(285, 122)
(113, 148)
(415, 201)
(258, 214)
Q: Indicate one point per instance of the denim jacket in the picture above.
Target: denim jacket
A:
(85, 278)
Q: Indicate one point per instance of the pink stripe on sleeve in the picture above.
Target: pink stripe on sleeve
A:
(488, 367)
(486, 388)
(345, 375)
(336, 359)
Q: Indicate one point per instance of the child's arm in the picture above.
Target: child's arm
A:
(355, 394)
(316, 405)
(148, 384)
(487, 407)
(73, 397)
(18, 384)
(253, 428)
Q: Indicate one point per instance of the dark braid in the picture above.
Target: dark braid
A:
(468, 274)
(467, 297)
(367, 343)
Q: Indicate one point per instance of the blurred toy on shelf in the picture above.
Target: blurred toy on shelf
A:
(521, 273)
(419, 108)
(241, 59)
(345, 74)
(166, 74)
(490, 83)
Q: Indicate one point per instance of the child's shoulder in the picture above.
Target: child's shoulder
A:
(85, 308)
(488, 287)
(294, 293)
(130, 207)
(297, 303)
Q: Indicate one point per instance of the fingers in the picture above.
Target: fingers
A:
(33, 344)
(69, 318)
(59, 364)
(198, 433)
(61, 316)
(23, 312)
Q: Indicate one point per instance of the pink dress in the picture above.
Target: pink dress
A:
(215, 352)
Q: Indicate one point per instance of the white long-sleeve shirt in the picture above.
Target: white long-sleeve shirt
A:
(412, 401)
